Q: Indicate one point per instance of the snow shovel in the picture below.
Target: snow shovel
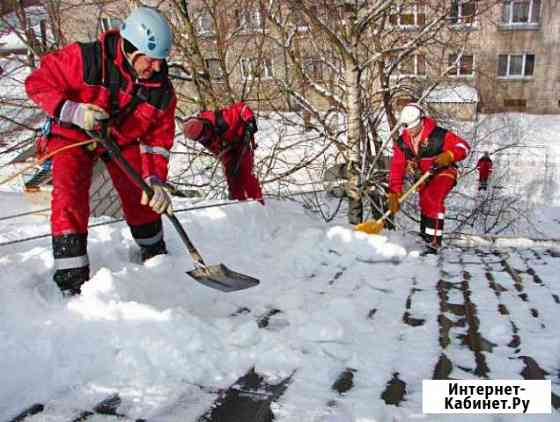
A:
(217, 277)
(375, 226)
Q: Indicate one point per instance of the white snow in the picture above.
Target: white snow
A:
(459, 93)
(153, 335)
(9, 24)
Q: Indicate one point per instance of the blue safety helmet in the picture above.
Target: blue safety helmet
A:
(149, 32)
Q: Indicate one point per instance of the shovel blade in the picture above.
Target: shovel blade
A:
(370, 227)
(221, 278)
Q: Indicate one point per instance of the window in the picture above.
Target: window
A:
(408, 15)
(249, 19)
(215, 69)
(461, 66)
(516, 65)
(205, 24)
(252, 69)
(521, 12)
(462, 11)
(411, 66)
(313, 68)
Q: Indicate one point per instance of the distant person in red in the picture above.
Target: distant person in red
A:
(423, 146)
(484, 167)
(228, 133)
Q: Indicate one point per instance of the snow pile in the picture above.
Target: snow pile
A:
(335, 299)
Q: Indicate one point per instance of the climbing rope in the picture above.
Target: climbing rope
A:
(45, 158)
(9, 217)
(199, 207)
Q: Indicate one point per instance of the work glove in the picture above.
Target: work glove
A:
(161, 200)
(444, 159)
(84, 115)
(393, 202)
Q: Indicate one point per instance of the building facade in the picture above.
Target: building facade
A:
(518, 57)
(508, 50)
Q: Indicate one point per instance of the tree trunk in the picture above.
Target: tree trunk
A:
(354, 124)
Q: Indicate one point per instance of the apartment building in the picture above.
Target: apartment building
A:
(511, 54)
(516, 58)
(509, 51)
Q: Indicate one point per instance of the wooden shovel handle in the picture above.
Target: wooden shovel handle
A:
(412, 189)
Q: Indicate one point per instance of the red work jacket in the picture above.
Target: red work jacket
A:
(433, 141)
(80, 72)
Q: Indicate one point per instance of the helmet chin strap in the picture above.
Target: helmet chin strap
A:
(135, 56)
(131, 59)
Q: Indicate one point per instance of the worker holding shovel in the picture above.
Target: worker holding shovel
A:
(430, 151)
(121, 78)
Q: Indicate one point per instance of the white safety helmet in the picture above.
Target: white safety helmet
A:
(411, 115)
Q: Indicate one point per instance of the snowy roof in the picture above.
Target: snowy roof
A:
(9, 39)
(346, 310)
(453, 94)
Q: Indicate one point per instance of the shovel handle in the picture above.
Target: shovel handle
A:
(195, 255)
(115, 152)
(413, 188)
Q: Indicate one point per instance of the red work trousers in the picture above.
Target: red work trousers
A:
(238, 167)
(433, 194)
(72, 173)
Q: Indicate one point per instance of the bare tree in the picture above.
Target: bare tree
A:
(327, 79)
(371, 57)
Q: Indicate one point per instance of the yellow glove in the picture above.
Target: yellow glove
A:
(393, 202)
(444, 159)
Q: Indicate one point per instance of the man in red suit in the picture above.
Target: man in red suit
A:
(425, 146)
(228, 133)
(484, 167)
(122, 76)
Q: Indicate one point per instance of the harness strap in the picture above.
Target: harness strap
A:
(221, 125)
(112, 83)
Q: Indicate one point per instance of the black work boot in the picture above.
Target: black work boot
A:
(149, 237)
(431, 231)
(429, 249)
(70, 262)
(153, 250)
(70, 281)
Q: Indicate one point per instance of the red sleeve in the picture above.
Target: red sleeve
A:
(159, 142)
(397, 171)
(456, 145)
(59, 74)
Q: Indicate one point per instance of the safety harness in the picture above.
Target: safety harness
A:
(433, 147)
(112, 80)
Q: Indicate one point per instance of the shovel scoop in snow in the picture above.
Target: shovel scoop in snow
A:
(222, 278)
(215, 276)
